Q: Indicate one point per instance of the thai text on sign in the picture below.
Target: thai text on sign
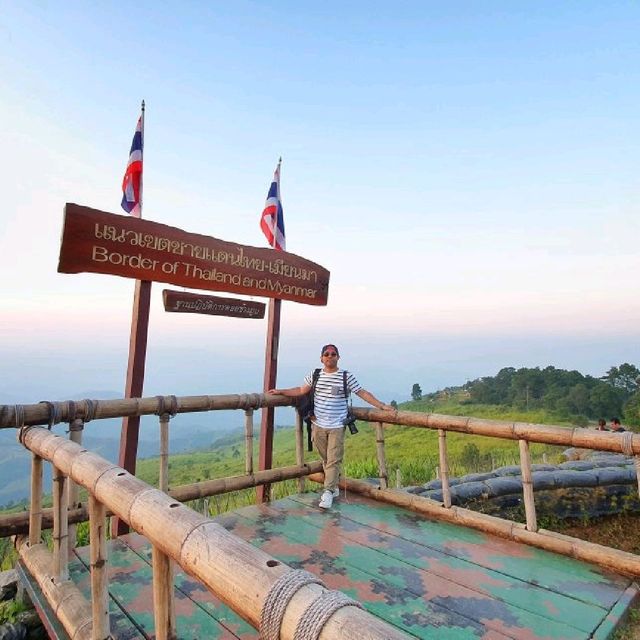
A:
(100, 242)
(184, 302)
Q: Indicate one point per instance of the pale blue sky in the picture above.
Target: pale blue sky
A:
(468, 172)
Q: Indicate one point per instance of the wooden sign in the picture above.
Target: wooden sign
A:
(99, 242)
(184, 302)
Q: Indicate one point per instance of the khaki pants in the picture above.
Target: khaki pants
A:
(330, 445)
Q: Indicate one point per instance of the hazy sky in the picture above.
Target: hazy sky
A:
(467, 171)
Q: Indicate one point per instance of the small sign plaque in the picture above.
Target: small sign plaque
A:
(184, 302)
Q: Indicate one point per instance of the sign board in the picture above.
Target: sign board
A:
(184, 302)
(99, 242)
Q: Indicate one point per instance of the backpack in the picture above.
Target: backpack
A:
(306, 406)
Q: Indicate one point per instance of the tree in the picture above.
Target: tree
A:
(416, 392)
(632, 410)
(625, 377)
(605, 401)
(394, 404)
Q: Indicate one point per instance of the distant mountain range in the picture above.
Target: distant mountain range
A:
(187, 432)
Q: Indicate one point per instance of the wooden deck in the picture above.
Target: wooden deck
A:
(430, 579)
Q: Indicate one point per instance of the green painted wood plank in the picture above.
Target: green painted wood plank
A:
(196, 592)
(555, 572)
(122, 627)
(333, 550)
(384, 596)
(453, 583)
(131, 585)
(617, 614)
(512, 590)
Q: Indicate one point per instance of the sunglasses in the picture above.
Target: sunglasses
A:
(329, 353)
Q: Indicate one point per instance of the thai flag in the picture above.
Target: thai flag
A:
(272, 221)
(132, 181)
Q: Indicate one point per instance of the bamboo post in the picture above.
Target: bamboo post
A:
(60, 526)
(300, 449)
(163, 479)
(75, 435)
(248, 436)
(382, 463)
(398, 478)
(163, 597)
(35, 511)
(636, 461)
(527, 486)
(444, 468)
(98, 566)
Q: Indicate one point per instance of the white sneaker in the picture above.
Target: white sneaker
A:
(326, 500)
(336, 492)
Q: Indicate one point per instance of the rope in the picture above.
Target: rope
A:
(71, 411)
(163, 410)
(278, 598)
(55, 412)
(160, 411)
(627, 443)
(248, 401)
(174, 406)
(19, 410)
(91, 408)
(318, 613)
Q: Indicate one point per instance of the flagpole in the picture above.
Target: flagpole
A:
(142, 135)
(134, 384)
(265, 455)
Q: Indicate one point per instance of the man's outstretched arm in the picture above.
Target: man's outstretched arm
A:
(292, 392)
(373, 401)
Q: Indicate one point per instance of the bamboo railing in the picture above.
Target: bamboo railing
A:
(153, 513)
(232, 569)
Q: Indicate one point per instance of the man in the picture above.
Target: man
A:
(616, 426)
(330, 412)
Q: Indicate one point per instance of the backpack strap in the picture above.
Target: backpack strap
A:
(314, 381)
(312, 393)
(347, 393)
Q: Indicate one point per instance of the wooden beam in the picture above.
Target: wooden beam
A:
(265, 455)
(134, 383)
(99, 569)
(164, 610)
(527, 486)
(34, 414)
(248, 438)
(163, 474)
(75, 435)
(60, 526)
(382, 462)
(18, 523)
(35, 510)
(444, 467)
(299, 428)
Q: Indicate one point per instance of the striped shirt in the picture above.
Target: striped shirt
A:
(330, 405)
